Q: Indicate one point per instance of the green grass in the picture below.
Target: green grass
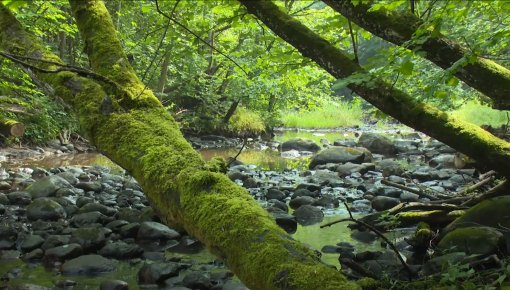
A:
(245, 122)
(479, 114)
(341, 114)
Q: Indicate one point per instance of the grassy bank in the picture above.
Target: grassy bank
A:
(479, 114)
(332, 115)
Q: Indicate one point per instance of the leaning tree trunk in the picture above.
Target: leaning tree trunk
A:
(463, 136)
(126, 122)
(482, 74)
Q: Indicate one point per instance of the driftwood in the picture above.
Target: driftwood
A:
(411, 272)
(406, 188)
(500, 189)
(478, 185)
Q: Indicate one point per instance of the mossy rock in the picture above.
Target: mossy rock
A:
(473, 240)
(491, 213)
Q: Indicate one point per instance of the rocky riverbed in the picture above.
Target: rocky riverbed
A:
(84, 227)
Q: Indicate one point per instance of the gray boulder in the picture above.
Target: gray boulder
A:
(47, 186)
(338, 154)
(45, 209)
(89, 238)
(300, 201)
(308, 215)
(156, 231)
(381, 203)
(62, 253)
(157, 272)
(88, 265)
(300, 144)
(349, 168)
(121, 250)
(377, 143)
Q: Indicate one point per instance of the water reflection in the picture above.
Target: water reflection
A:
(264, 159)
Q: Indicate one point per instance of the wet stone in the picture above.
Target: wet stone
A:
(156, 231)
(88, 265)
(4, 185)
(45, 209)
(129, 230)
(62, 253)
(91, 207)
(157, 272)
(308, 215)
(4, 200)
(89, 186)
(31, 242)
(300, 201)
(121, 250)
(89, 218)
(19, 198)
(55, 240)
(197, 280)
(89, 238)
(114, 285)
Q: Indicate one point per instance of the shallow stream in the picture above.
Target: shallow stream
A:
(264, 159)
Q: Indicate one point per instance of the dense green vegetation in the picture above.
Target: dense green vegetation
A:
(249, 67)
(218, 69)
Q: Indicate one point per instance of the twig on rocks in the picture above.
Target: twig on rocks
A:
(411, 272)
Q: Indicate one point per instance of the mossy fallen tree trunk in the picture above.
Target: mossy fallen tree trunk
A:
(464, 137)
(482, 74)
(11, 128)
(126, 122)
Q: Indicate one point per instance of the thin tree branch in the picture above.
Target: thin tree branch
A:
(353, 39)
(62, 67)
(411, 272)
(198, 37)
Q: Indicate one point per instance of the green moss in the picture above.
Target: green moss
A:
(246, 123)
(473, 240)
(491, 212)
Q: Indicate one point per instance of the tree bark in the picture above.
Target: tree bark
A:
(462, 136)
(163, 77)
(128, 124)
(12, 128)
(486, 76)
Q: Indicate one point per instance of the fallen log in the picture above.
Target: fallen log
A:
(11, 128)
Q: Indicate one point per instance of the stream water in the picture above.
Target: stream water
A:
(264, 159)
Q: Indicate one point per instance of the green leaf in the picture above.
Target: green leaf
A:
(453, 81)
(14, 5)
(146, 9)
(406, 68)
(441, 95)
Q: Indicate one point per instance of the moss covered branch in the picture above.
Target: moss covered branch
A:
(486, 76)
(133, 129)
(465, 137)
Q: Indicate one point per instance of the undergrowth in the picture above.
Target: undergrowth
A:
(479, 114)
(329, 115)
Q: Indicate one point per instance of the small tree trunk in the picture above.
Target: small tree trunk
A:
(231, 111)
(163, 77)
